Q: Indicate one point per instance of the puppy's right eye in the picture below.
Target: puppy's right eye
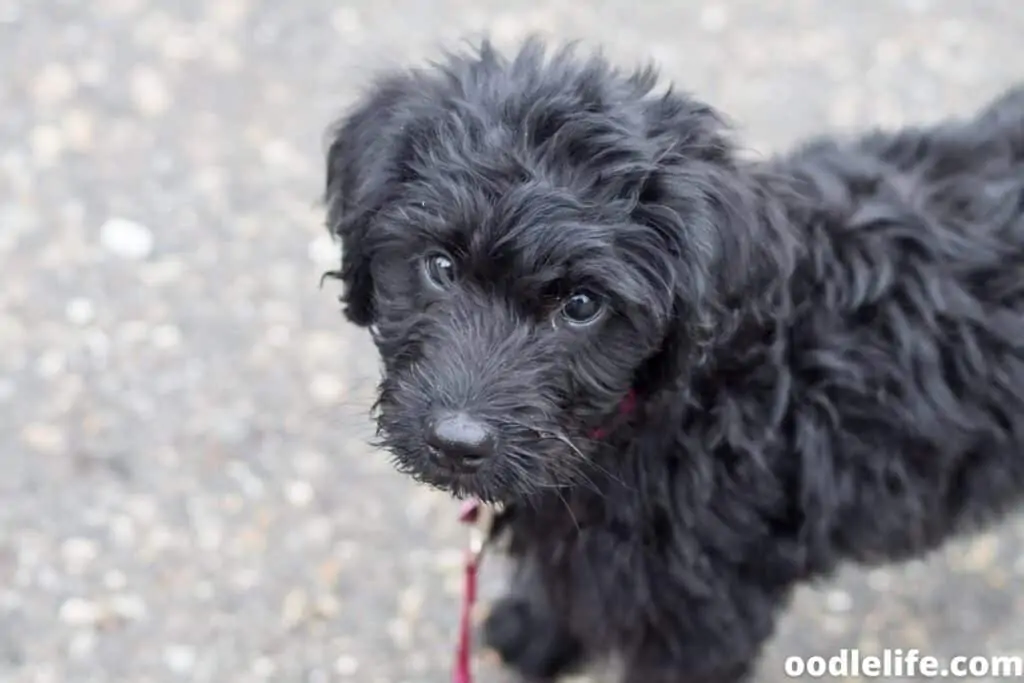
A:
(582, 308)
(439, 270)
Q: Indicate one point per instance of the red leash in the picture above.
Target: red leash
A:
(469, 514)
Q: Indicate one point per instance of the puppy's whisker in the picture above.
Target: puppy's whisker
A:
(589, 461)
(608, 473)
(565, 440)
(548, 434)
(573, 473)
(568, 508)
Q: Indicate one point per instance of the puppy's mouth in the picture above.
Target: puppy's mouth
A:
(515, 471)
(478, 481)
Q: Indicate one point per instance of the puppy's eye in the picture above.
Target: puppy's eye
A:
(582, 308)
(439, 270)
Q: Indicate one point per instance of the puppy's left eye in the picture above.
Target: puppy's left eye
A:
(582, 308)
(439, 270)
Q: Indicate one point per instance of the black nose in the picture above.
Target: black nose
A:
(460, 439)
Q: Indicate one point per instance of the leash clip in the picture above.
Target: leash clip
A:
(479, 518)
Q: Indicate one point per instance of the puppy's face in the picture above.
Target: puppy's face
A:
(524, 258)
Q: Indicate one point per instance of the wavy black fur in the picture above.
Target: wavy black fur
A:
(828, 346)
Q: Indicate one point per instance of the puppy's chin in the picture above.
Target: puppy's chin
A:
(481, 486)
(504, 478)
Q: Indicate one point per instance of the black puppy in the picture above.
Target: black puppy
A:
(693, 380)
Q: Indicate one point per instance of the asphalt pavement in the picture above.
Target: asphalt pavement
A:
(186, 493)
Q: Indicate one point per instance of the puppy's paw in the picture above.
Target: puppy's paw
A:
(535, 646)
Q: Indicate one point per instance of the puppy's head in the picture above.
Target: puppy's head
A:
(529, 239)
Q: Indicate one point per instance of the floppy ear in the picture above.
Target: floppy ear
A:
(702, 204)
(732, 244)
(363, 170)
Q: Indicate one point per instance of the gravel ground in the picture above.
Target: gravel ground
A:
(186, 493)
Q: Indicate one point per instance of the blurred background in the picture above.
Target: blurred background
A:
(185, 489)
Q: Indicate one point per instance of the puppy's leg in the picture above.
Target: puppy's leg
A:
(651, 665)
(704, 651)
(642, 674)
(528, 635)
(533, 644)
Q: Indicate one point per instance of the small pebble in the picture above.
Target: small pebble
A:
(224, 57)
(166, 337)
(326, 389)
(43, 438)
(299, 493)
(838, 601)
(78, 553)
(295, 608)
(324, 252)
(126, 238)
(80, 311)
(129, 607)
(51, 364)
(98, 345)
(149, 91)
(82, 644)
(47, 143)
(327, 606)
(410, 603)
(123, 531)
(54, 84)
(346, 665)
(401, 632)
(80, 612)
(79, 130)
(279, 154)
(981, 553)
(180, 659)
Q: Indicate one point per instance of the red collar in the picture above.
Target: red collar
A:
(626, 407)
(470, 514)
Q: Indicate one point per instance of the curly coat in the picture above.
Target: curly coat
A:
(827, 348)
